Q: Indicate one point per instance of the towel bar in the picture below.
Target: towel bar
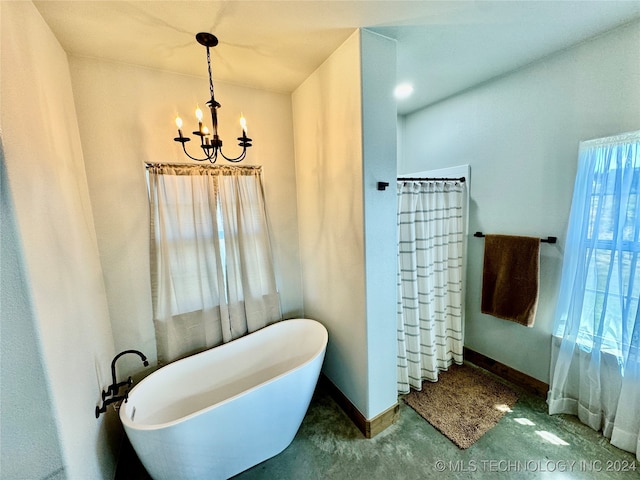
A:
(544, 240)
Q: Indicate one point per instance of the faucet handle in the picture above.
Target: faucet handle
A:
(106, 393)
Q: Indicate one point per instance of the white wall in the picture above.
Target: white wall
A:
(27, 423)
(520, 134)
(337, 172)
(328, 152)
(379, 145)
(126, 116)
(65, 301)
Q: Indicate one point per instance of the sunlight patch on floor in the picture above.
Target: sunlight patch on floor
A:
(524, 421)
(551, 438)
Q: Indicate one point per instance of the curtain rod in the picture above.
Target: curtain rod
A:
(431, 179)
(149, 165)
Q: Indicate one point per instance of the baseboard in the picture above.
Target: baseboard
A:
(369, 428)
(520, 379)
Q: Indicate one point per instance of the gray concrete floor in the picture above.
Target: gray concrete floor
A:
(526, 443)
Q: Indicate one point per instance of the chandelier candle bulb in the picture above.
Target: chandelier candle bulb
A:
(243, 124)
(199, 117)
(180, 138)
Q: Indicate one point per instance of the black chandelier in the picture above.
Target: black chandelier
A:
(210, 142)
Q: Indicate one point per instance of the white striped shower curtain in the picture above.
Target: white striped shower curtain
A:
(431, 225)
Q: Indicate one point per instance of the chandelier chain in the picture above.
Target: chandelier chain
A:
(210, 77)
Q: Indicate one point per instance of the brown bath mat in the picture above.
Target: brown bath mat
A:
(463, 404)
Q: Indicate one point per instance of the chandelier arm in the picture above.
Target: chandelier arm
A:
(211, 158)
(239, 158)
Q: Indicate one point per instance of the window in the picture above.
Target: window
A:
(605, 231)
(611, 251)
(212, 274)
(188, 241)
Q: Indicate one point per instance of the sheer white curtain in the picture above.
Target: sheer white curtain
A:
(431, 224)
(595, 368)
(211, 268)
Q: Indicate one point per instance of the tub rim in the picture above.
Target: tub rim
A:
(127, 422)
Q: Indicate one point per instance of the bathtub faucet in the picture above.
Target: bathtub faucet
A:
(109, 401)
(113, 389)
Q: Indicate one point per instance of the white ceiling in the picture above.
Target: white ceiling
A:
(443, 46)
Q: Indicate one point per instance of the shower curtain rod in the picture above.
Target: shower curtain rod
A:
(384, 185)
(430, 179)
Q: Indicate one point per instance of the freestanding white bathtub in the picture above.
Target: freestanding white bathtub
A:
(222, 411)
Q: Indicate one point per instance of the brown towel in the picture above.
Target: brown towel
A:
(511, 277)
